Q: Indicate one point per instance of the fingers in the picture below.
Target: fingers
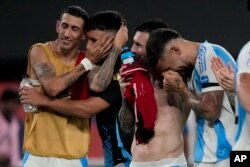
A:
(121, 37)
(217, 63)
(106, 41)
(122, 69)
(230, 68)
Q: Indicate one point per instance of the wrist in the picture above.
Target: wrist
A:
(117, 49)
(87, 64)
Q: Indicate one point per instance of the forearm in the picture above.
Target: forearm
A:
(231, 97)
(99, 80)
(181, 102)
(126, 118)
(75, 108)
(55, 84)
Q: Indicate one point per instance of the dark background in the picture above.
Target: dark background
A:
(25, 22)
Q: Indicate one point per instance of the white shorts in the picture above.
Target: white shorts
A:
(30, 160)
(168, 162)
(224, 163)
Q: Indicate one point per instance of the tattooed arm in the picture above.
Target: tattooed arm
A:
(46, 73)
(100, 77)
(126, 118)
(207, 105)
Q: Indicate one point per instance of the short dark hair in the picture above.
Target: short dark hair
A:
(10, 95)
(150, 25)
(105, 20)
(76, 11)
(157, 41)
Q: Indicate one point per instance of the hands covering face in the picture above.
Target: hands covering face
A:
(173, 82)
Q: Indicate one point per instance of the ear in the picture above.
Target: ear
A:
(84, 36)
(57, 26)
(175, 50)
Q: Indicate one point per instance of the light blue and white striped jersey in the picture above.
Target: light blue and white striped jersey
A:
(242, 138)
(213, 141)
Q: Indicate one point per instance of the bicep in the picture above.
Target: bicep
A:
(214, 100)
(42, 66)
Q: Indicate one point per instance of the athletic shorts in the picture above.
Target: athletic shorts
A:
(224, 163)
(30, 160)
(168, 162)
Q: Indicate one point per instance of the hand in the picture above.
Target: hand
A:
(121, 37)
(99, 49)
(173, 82)
(31, 96)
(224, 74)
(124, 80)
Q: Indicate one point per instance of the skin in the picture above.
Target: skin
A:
(243, 90)
(224, 74)
(98, 79)
(80, 108)
(180, 54)
(70, 34)
(139, 46)
(169, 126)
(225, 77)
(169, 123)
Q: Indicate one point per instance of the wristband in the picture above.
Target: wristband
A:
(87, 64)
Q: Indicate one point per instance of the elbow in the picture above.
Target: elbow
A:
(95, 88)
(52, 92)
(212, 116)
(51, 89)
(85, 113)
(88, 115)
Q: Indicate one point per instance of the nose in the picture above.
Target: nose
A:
(133, 48)
(66, 33)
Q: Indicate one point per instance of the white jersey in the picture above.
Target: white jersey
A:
(242, 138)
(213, 142)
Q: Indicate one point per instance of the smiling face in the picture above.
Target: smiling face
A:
(139, 45)
(70, 31)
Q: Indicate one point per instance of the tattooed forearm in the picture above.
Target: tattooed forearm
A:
(43, 71)
(70, 78)
(79, 69)
(180, 102)
(103, 77)
(231, 97)
(126, 118)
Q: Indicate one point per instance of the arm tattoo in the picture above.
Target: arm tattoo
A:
(103, 77)
(126, 118)
(231, 97)
(44, 71)
(179, 101)
(92, 73)
(71, 78)
(207, 104)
